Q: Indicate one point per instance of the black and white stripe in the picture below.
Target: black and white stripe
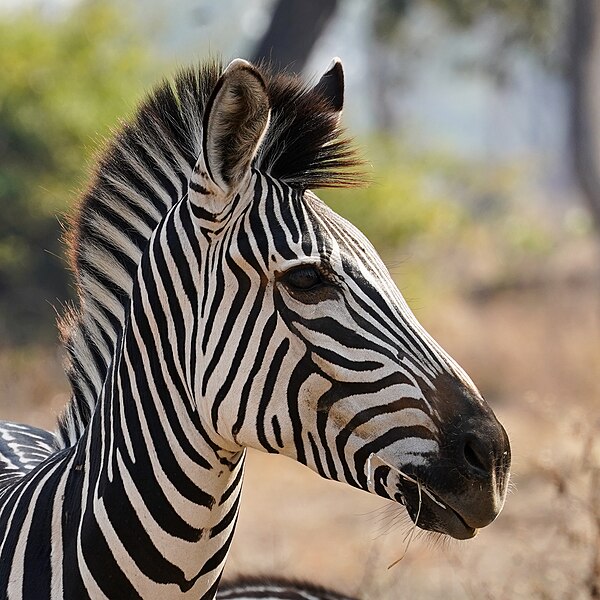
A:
(276, 589)
(223, 306)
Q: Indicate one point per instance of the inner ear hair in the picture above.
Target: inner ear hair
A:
(235, 121)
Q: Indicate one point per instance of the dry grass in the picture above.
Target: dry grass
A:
(33, 388)
(535, 353)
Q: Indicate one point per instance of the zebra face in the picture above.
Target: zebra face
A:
(340, 376)
(380, 404)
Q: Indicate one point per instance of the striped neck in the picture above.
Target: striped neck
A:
(158, 472)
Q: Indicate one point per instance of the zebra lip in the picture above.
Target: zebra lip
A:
(433, 514)
(428, 510)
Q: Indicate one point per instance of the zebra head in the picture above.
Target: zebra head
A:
(308, 348)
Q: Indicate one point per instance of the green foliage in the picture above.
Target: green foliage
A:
(534, 24)
(444, 224)
(404, 202)
(64, 79)
(526, 21)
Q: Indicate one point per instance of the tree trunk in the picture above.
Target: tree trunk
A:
(584, 79)
(295, 28)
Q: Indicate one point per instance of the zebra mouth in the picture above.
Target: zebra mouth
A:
(426, 509)
(431, 513)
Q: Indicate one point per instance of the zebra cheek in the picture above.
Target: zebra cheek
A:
(312, 391)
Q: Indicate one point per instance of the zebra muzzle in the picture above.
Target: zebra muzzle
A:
(427, 510)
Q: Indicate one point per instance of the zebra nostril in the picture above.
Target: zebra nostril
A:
(477, 455)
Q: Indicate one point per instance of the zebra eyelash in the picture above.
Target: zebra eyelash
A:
(326, 288)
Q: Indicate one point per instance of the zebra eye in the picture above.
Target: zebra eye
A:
(303, 278)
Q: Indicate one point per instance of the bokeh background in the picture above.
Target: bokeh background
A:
(480, 120)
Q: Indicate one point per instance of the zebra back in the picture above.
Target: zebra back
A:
(273, 588)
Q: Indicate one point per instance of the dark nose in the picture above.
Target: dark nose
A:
(472, 475)
(482, 449)
(482, 457)
(476, 453)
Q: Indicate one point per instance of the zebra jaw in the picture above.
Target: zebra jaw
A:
(424, 507)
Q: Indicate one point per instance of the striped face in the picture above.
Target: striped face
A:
(311, 351)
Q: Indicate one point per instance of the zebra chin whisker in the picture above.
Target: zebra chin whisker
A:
(411, 533)
(395, 518)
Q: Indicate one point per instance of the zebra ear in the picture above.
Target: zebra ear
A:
(331, 85)
(235, 120)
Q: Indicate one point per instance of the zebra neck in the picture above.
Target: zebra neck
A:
(159, 496)
(163, 477)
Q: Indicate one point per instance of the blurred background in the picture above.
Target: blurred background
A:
(480, 121)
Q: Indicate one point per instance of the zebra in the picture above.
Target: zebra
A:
(251, 588)
(222, 305)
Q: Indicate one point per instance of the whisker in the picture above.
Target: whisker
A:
(389, 522)
(399, 520)
(412, 531)
(377, 512)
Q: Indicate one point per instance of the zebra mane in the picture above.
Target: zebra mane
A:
(143, 171)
